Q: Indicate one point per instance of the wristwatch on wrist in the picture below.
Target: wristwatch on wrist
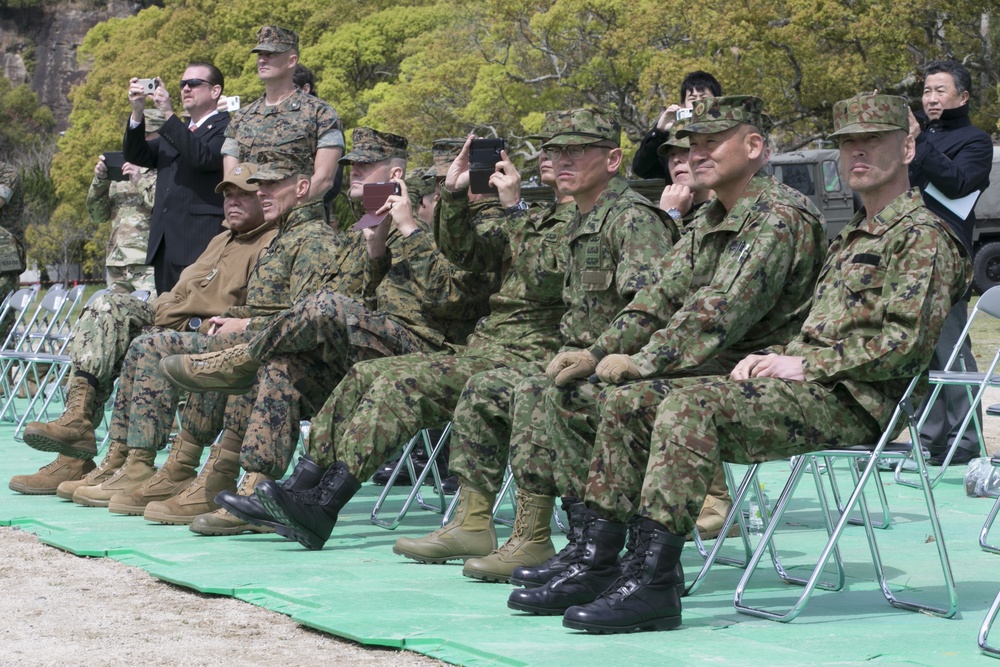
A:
(519, 206)
(674, 213)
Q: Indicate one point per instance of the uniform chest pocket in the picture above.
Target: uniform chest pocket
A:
(864, 278)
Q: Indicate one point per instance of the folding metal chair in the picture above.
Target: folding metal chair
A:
(955, 375)
(406, 459)
(984, 629)
(861, 454)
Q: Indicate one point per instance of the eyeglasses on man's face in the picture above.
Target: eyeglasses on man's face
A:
(574, 152)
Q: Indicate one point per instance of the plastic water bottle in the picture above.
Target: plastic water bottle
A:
(755, 522)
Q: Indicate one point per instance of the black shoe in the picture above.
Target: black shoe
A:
(419, 458)
(645, 596)
(309, 516)
(533, 577)
(593, 567)
(305, 476)
(961, 457)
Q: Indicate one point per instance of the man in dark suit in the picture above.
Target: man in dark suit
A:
(187, 213)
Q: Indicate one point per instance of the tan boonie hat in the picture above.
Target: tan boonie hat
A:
(673, 141)
(580, 127)
(444, 151)
(368, 145)
(154, 119)
(870, 113)
(278, 166)
(239, 177)
(718, 114)
(274, 39)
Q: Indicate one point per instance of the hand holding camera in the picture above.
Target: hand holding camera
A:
(507, 181)
(668, 117)
(457, 178)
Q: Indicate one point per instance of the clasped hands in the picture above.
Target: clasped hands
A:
(581, 364)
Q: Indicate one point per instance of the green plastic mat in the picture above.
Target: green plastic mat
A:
(358, 589)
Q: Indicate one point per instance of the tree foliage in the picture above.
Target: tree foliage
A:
(434, 68)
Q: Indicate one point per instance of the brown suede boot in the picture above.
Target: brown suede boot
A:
(529, 543)
(177, 472)
(219, 474)
(470, 533)
(137, 469)
(72, 434)
(114, 459)
(221, 522)
(718, 502)
(50, 477)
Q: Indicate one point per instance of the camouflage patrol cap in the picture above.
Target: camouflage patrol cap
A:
(870, 113)
(549, 127)
(275, 39)
(368, 145)
(154, 119)
(444, 151)
(239, 176)
(673, 141)
(579, 127)
(278, 166)
(419, 185)
(718, 114)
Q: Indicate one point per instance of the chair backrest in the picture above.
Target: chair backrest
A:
(989, 302)
(43, 321)
(17, 302)
(95, 296)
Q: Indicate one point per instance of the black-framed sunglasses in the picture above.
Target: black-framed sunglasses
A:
(193, 83)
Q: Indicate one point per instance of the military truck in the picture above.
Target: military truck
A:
(816, 174)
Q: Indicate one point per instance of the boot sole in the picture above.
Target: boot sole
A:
(435, 561)
(229, 532)
(44, 443)
(538, 611)
(486, 576)
(290, 528)
(91, 502)
(28, 491)
(130, 510)
(524, 583)
(658, 624)
(267, 525)
(169, 519)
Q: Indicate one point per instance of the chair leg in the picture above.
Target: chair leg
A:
(414, 496)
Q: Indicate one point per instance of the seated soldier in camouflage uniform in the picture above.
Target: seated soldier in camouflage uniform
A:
(128, 207)
(414, 300)
(97, 346)
(881, 301)
(739, 281)
(304, 255)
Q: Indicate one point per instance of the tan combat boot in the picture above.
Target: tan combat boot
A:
(230, 371)
(114, 459)
(177, 472)
(221, 522)
(138, 467)
(470, 533)
(529, 543)
(50, 477)
(718, 502)
(219, 474)
(72, 434)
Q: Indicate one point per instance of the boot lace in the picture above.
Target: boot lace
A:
(635, 555)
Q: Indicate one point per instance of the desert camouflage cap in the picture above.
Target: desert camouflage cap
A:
(444, 151)
(239, 177)
(870, 113)
(275, 39)
(154, 119)
(578, 127)
(368, 145)
(277, 166)
(718, 114)
(673, 141)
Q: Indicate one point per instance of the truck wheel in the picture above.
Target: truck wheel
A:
(986, 267)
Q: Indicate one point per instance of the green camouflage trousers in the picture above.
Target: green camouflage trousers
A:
(705, 421)
(8, 283)
(145, 403)
(381, 404)
(127, 279)
(306, 350)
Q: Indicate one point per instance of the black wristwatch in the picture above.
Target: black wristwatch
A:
(519, 206)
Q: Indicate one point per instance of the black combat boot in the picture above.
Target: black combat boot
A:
(592, 568)
(647, 595)
(310, 516)
(305, 476)
(533, 577)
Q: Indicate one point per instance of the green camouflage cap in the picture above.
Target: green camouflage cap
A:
(368, 145)
(580, 127)
(444, 151)
(239, 177)
(278, 166)
(718, 114)
(673, 141)
(870, 113)
(154, 119)
(275, 39)
(418, 185)
(549, 127)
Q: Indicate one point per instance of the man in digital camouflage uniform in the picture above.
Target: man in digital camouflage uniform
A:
(414, 300)
(128, 206)
(739, 281)
(99, 342)
(883, 296)
(286, 118)
(11, 237)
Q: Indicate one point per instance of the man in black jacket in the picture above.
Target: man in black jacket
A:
(187, 213)
(647, 163)
(953, 160)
